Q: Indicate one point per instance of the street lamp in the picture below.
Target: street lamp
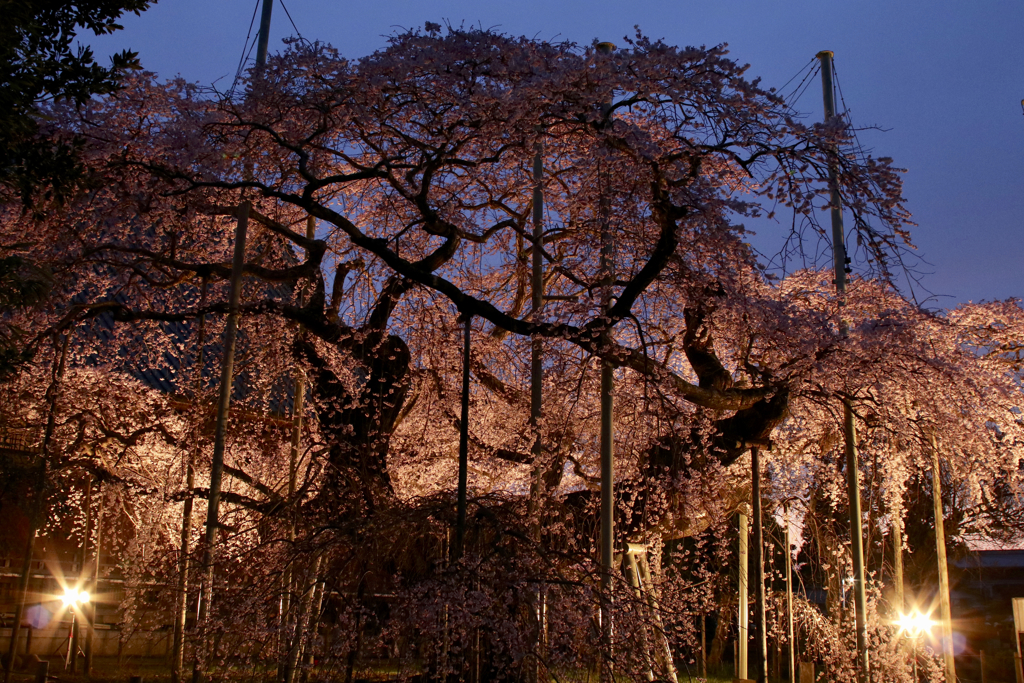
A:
(72, 599)
(913, 626)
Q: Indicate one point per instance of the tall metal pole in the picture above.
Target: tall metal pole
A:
(82, 622)
(789, 601)
(220, 435)
(94, 606)
(607, 443)
(537, 487)
(226, 382)
(287, 578)
(36, 514)
(940, 554)
(743, 608)
(840, 262)
(181, 599)
(897, 565)
(84, 574)
(856, 539)
(536, 344)
(537, 294)
(761, 665)
(460, 523)
(264, 41)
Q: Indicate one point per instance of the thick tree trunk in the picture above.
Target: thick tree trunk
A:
(359, 418)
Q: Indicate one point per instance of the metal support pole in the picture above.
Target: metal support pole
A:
(940, 553)
(460, 523)
(301, 626)
(537, 485)
(80, 631)
(94, 603)
(897, 565)
(840, 262)
(789, 602)
(839, 259)
(84, 574)
(703, 646)
(314, 622)
(536, 344)
(663, 649)
(632, 571)
(856, 539)
(743, 609)
(287, 581)
(220, 435)
(264, 41)
(607, 436)
(181, 598)
(761, 664)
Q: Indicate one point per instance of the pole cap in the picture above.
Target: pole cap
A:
(606, 48)
(825, 53)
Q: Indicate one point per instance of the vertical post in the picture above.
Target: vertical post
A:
(761, 666)
(226, 379)
(90, 643)
(77, 636)
(897, 565)
(743, 609)
(536, 344)
(314, 621)
(298, 403)
(1018, 660)
(940, 554)
(856, 538)
(632, 571)
(264, 40)
(181, 597)
(663, 649)
(537, 491)
(460, 523)
(607, 443)
(84, 574)
(789, 601)
(703, 646)
(220, 435)
(302, 618)
(36, 515)
(76, 629)
(840, 261)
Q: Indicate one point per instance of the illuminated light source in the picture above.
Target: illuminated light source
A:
(915, 624)
(73, 596)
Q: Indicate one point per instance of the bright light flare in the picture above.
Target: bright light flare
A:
(73, 596)
(915, 624)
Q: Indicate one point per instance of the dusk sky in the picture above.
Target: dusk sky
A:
(944, 79)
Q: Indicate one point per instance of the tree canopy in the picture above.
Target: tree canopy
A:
(415, 167)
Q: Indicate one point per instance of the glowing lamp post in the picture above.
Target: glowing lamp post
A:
(72, 599)
(913, 626)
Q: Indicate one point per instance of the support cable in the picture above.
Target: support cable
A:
(297, 31)
(246, 51)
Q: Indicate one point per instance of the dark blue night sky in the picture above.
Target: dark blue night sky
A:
(944, 78)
